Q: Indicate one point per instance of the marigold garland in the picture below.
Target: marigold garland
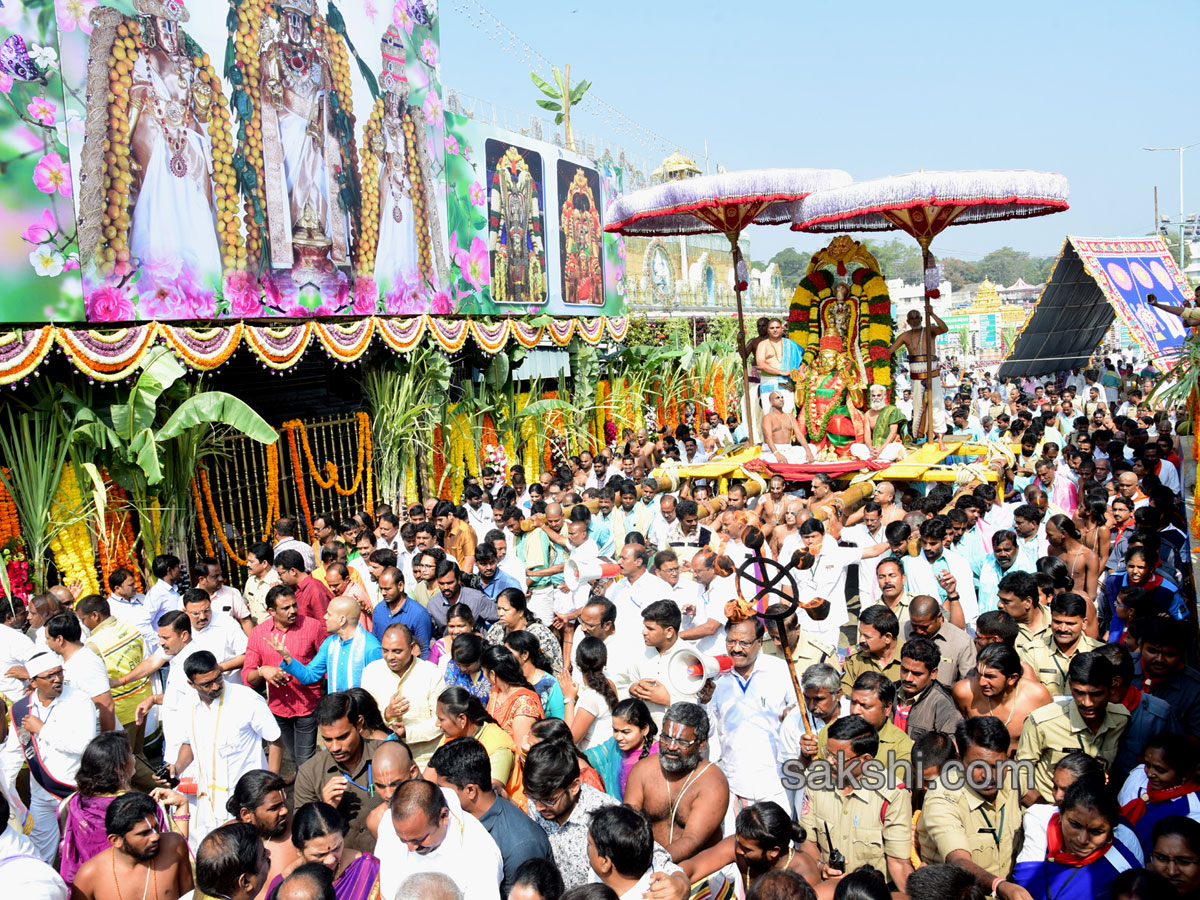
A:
(205, 538)
(718, 392)
(439, 459)
(298, 469)
(72, 546)
(10, 522)
(272, 491)
(212, 511)
(117, 541)
(365, 455)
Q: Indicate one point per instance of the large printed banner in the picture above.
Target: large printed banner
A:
(198, 159)
(1128, 270)
(526, 226)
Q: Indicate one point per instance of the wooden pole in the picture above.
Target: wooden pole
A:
(926, 260)
(749, 404)
(791, 666)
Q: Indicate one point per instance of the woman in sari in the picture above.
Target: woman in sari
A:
(459, 620)
(525, 648)
(460, 714)
(1166, 787)
(319, 835)
(512, 701)
(425, 566)
(105, 772)
(464, 668)
(513, 615)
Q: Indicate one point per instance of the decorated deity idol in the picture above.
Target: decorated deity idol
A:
(518, 274)
(408, 254)
(828, 398)
(151, 200)
(582, 279)
(304, 149)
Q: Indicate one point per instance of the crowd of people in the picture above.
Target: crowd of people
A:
(462, 700)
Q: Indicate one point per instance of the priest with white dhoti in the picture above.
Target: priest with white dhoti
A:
(224, 733)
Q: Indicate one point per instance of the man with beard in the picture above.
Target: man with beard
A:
(748, 706)
(924, 704)
(999, 688)
(1087, 721)
(137, 854)
(684, 795)
(260, 799)
(943, 574)
(883, 422)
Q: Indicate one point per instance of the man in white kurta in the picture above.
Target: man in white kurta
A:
(222, 740)
(15, 650)
(406, 688)
(59, 722)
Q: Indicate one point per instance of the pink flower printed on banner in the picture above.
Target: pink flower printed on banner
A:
(366, 296)
(451, 144)
(432, 107)
(441, 304)
(477, 194)
(428, 52)
(6, 83)
(474, 263)
(42, 110)
(370, 10)
(108, 304)
(244, 295)
(401, 17)
(404, 300)
(52, 175)
(41, 230)
(181, 298)
(466, 152)
(72, 14)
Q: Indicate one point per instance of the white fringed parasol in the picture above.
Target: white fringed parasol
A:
(922, 204)
(725, 203)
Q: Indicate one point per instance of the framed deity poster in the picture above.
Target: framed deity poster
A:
(516, 224)
(580, 235)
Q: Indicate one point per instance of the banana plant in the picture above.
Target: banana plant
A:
(153, 438)
(560, 98)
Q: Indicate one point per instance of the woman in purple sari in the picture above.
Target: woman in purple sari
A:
(105, 772)
(318, 833)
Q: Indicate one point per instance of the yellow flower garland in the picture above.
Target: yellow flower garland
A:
(205, 537)
(72, 546)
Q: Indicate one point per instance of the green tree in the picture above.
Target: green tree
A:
(1172, 239)
(959, 272)
(897, 258)
(560, 99)
(1004, 266)
(792, 265)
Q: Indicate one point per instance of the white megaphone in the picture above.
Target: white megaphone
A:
(687, 670)
(577, 573)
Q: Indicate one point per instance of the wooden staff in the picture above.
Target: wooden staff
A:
(844, 501)
(529, 524)
(791, 667)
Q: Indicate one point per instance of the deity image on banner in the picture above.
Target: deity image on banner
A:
(158, 195)
(309, 175)
(516, 224)
(580, 235)
(403, 247)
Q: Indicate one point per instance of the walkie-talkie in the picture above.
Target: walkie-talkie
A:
(836, 860)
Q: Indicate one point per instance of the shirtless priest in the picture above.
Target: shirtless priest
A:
(779, 428)
(138, 853)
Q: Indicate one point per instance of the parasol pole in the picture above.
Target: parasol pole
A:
(926, 260)
(791, 665)
(737, 290)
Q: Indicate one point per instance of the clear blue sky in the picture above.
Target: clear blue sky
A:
(881, 88)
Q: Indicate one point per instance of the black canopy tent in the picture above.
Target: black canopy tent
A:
(1069, 322)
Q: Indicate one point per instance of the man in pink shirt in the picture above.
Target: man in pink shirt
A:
(293, 704)
(312, 596)
(337, 577)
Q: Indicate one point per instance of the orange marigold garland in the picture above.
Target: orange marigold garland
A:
(10, 522)
(718, 392)
(272, 490)
(439, 458)
(205, 537)
(331, 479)
(294, 451)
(212, 511)
(117, 541)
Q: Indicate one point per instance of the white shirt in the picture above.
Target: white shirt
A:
(600, 730)
(144, 610)
(512, 566)
(226, 737)
(1169, 476)
(711, 605)
(69, 723)
(654, 665)
(36, 879)
(746, 716)
(481, 520)
(86, 672)
(225, 638)
(468, 855)
(177, 694)
(826, 578)
(229, 600)
(860, 536)
(631, 597)
(921, 576)
(15, 650)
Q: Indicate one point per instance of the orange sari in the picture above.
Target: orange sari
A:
(521, 702)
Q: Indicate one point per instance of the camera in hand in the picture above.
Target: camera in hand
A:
(163, 773)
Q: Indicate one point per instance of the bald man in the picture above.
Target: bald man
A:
(346, 652)
(391, 766)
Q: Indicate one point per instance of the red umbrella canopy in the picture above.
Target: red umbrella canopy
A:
(724, 203)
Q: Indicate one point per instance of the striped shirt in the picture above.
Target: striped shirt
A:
(121, 647)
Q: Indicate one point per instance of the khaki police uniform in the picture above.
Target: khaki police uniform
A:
(890, 738)
(1056, 729)
(810, 651)
(957, 650)
(860, 661)
(1051, 664)
(868, 827)
(960, 819)
(1030, 639)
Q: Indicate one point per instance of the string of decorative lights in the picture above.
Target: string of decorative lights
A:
(516, 47)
